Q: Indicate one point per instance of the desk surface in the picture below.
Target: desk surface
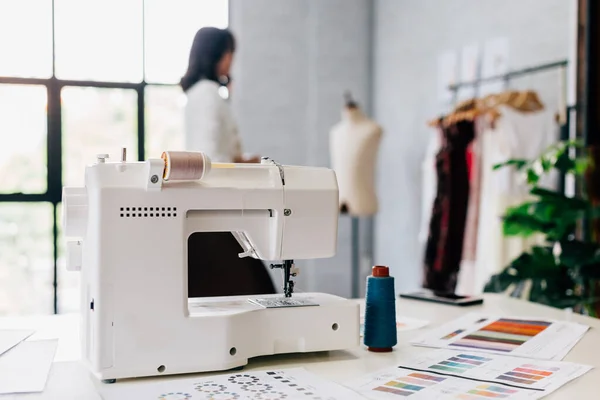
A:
(69, 380)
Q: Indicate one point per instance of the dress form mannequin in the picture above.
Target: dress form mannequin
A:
(354, 144)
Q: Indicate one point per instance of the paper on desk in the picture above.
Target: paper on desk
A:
(402, 324)
(25, 368)
(288, 384)
(536, 338)
(11, 337)
(445, 374)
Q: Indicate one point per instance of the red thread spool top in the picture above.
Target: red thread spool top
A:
(380, 271)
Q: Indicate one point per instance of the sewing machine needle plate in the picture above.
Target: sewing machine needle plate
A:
(279, 302)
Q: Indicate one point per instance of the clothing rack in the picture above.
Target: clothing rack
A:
(565, 128)
(511, 74)
(561, 64)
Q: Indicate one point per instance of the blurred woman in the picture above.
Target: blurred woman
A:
(214, 268)
(210, 126)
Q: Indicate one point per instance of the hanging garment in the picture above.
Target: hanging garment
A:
(429, 184)
(515, 135)
(443, 252)
(469, 255)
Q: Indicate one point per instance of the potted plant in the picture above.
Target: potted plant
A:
(564, 270)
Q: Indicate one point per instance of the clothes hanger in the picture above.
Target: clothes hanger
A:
(465, 110)
(528, 101)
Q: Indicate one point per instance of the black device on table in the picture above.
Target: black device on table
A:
(443, 298)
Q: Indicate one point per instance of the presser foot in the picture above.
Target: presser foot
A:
(288, 284)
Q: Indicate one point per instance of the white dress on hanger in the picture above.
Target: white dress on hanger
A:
(515, 135)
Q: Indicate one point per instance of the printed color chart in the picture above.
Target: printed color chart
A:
(528, 374)
(459, 364)
(410, 384)
(488, 391)
(453, 334)
(504, 335)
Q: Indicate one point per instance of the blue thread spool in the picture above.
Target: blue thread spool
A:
(380, 311)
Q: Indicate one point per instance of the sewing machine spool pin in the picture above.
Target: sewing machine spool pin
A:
(288, 284)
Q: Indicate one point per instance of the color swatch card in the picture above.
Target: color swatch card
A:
(516, 372)
(290, 384)
(524, 337)
(396, 383)
(445, 374)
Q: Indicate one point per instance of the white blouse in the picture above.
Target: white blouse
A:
(516, 135)
(209, 123)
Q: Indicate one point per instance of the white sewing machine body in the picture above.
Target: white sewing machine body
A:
(131, 234)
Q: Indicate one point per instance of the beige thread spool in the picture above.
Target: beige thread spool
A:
(185, 165)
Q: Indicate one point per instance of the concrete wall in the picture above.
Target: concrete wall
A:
(409, 36)
(295, 59)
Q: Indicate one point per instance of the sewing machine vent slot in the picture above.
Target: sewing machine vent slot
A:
(148, 212)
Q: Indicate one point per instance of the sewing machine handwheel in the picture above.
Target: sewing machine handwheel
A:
(108, 381)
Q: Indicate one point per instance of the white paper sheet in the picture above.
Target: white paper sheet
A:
(11, 337)
(518, 372)
(288, 384)
(402, 324)
(470, 59)
(447, 74)
(536, 338)
(495, 62)
(468, 376)
(25, 368)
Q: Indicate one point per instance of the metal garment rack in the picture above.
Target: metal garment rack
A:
(510, 75)
(564, 128)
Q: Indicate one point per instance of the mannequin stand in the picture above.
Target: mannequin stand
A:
(361, 252)
(355, 265)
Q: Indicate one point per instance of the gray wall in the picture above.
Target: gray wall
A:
(294, 60)
(296, 57)
(409, 36)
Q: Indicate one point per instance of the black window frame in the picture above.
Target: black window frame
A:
(54, 85)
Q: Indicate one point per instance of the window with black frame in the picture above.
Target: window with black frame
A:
(79, 78)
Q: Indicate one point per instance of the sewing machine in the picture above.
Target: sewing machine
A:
(128, 231)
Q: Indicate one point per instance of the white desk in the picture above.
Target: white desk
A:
(69, 380)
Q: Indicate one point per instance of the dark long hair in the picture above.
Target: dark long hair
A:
(210, 44)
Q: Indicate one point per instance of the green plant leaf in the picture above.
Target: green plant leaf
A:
(576, 203)
(532, 176)
(519, 164)
(499, 283)
(525, 225)
(564, 163)
(549, 218)
(537, 264)
(576, 253)
(581, 165)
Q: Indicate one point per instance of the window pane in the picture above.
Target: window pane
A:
(164, 120)
(26, 258)
(23, 128)
(68, 281)
(167, 50)
(100, 40)
(96, 121)
(26, 38)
